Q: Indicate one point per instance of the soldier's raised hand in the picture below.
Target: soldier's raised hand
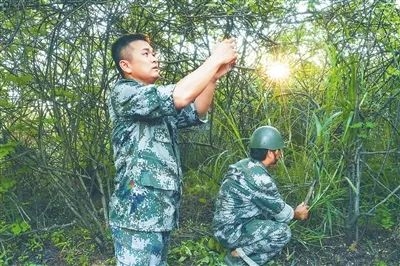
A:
(225, 52)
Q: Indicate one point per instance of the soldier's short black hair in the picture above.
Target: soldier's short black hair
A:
(122, 42)
(258, 154)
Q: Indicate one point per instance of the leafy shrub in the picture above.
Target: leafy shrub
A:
(204, 251)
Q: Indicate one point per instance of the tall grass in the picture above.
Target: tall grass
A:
(332, 135)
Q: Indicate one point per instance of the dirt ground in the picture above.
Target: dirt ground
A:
(378, 248)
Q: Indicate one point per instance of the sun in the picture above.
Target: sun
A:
(278, 71)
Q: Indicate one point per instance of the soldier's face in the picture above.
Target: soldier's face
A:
(140, 62)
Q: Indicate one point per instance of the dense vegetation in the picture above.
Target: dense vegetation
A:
(339, 111)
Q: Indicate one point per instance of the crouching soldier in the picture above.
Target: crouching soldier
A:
(251, 218)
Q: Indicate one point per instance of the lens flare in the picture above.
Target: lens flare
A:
(278, 71)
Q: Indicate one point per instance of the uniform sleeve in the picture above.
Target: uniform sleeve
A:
(188, 116)
(130, 100)
(268, 199)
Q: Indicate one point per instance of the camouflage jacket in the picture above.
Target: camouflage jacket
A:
(145, 124)
(247, 192)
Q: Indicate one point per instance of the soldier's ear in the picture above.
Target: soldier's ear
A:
(269, 153)
(125, 66)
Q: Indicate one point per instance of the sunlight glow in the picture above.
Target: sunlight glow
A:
(278, 71)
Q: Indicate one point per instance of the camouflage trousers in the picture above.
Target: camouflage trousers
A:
(139, 248)
(262, 239)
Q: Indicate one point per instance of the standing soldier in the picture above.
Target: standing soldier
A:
(251, 218)
(145, 120)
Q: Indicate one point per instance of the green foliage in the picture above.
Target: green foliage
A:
(226, 122)
(74, 248)
(19, 227)
(59, 247)
(384, 218)
(204, 251)
(379, 263)
(6, 184)
(14, 229)
(342, 100)
(6, 149)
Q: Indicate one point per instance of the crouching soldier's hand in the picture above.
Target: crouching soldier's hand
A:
(301, 212)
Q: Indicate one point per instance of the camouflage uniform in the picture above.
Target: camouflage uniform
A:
(250, 213)
(146, 155)
(140, 248)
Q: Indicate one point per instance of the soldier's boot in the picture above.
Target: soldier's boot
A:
(238, 258)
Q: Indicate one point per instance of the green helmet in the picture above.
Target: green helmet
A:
(266, 137)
